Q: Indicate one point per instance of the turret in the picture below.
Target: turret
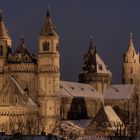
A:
(5, 49)
(5, 42)
(131, 64)
(95, 72)
(131, 56)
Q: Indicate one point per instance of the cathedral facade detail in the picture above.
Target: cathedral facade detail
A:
(33, 99)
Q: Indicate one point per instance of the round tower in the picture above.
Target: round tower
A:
(49, 74)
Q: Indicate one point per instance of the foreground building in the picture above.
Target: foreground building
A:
(33, 99)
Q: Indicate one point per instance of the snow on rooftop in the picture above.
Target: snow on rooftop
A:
(101, 67)
(113, 118)
(119, 92)
(72, 89)
(111, 115)
(75, 125)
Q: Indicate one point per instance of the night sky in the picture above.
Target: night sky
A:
(109, 21)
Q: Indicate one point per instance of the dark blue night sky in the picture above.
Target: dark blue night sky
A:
(109, 21)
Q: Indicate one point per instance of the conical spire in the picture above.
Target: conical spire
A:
(92, 61)
(92, 47)
(48, 28)
(1, 16)
(91, 42)
(22, 42)
(3, 31)
(131, 55)
(48, 11)
(131, 45)
(131, 40)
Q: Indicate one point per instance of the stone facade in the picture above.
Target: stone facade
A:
(49, 73)
(29, 84)
(32, 97)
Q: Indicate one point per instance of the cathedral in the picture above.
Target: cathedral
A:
(34, 99)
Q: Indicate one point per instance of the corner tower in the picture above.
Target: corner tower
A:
(95, 72)
(5, 42)
(131, 72)
(131, 65)
(49, 73)
(5, 49)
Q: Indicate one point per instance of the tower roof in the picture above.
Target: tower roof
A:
(48, 28)
(22, 55)
(131, 44)
(3, 31)
(131, 55)
(93, 62)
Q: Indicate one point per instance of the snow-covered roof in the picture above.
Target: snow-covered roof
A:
(76, 124)
(106, 118)
(112, 116)
(72, 89)
(116, 92)
(101, 67)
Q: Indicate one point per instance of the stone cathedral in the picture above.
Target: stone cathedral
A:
(33, 96)
(29, 84)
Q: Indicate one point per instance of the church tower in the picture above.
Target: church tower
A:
(49, 74)
(95, 72)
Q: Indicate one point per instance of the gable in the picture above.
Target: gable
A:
(22, 55)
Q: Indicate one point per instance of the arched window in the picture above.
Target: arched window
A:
(45, 46)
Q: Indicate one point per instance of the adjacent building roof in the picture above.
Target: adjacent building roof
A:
(72, 89)
(112, 116)
(105, 118)
(76, 124)
(116, 92)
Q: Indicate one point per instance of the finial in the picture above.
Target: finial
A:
(131, 37)
(91, 42)
(22, 40)
(91, 37)
(1, 15)
(48, 11)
